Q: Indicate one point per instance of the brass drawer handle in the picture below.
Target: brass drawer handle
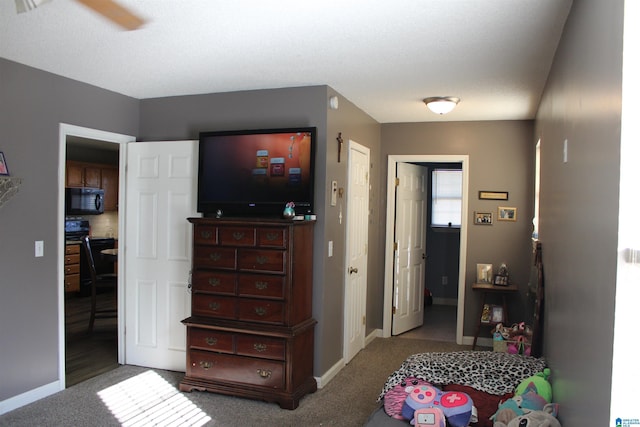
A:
(272, 236)
(205, 365)
(260, 348)
(260, 311)
(264, 373)
(261, 286)
(261, 259)
(211, 340)
(214, 306)
(238, 235)
(206, 234)
(215, 256)
(214, 281)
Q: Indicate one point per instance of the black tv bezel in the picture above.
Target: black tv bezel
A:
(248, 208)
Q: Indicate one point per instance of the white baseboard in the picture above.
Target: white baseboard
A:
(29, 397)
(337, 367)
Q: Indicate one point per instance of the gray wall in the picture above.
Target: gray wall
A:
(183, 117)
(501, 158)
(33, 105)
(579, 208)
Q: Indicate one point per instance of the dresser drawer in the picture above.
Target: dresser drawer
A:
(272, 237)
(72, 269)
(259, 346)
(72, 259)
(263, 311)
(213, 305)
(261, 260)
(214, 282)
(261, 286)
(238, 236)
(72, 283)
(71, 249)
(236, 369)
(205, 235)
(208, 339)
(215, 257)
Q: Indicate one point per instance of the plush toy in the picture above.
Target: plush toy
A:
(532, 419)
(456, 406)
(394, 398)
(541, 383)
(517, 406)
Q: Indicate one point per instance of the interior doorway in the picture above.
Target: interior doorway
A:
(90, 354)
(393, 161)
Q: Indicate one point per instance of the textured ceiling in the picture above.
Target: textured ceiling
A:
(384, 56)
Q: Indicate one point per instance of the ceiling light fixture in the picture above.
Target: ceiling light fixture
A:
(27, 5)
(441, 104)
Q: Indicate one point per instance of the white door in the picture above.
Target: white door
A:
(411, 249)
(356, 250)
(160, 195)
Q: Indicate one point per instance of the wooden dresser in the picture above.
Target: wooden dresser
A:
(250, 333)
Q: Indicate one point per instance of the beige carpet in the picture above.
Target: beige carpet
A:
(347, 400)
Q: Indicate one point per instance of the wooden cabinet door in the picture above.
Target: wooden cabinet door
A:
(92, 176)
(109, 184)
(75, 175)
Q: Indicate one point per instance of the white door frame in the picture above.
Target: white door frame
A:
(391, 208)
(72, 130)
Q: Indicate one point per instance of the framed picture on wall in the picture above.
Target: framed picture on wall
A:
(482, 218)
(506, 214)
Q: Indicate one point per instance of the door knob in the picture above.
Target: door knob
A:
(353, 270)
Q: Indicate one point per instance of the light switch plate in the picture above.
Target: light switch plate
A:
(39, 248)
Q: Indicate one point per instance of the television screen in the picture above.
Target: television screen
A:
(256, 172)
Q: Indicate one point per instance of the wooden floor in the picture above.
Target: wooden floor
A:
(89, 354)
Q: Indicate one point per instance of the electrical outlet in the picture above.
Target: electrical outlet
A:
(445, 280)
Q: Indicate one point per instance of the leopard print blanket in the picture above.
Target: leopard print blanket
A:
(487, 371)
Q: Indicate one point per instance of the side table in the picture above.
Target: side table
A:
(487, 288)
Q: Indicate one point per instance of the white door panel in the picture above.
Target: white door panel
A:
(161, 192)
(411, 240)
(356, 250)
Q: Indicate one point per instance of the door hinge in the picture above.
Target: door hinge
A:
(364, 320)
(395, 246)
(393, 310)
(397, 182)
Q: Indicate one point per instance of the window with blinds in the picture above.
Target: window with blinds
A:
(446, 198)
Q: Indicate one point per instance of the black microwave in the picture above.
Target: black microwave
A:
(84, 201)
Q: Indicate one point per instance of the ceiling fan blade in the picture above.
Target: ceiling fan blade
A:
(115, 12)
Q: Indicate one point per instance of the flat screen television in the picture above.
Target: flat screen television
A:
(255, 173)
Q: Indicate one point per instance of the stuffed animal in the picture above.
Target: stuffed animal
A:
(517, 406)
(532, 419)
(456, 406)
(540, 382)
(394, 398)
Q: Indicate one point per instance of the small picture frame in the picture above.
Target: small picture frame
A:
(484, 273)
(4, 170)
(500, 280)
(497, 314)
(507, 214)
(493, 195)
(483, 218)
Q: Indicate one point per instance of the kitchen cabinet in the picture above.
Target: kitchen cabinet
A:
(95, 175)
(251, 333)
(72, 267)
